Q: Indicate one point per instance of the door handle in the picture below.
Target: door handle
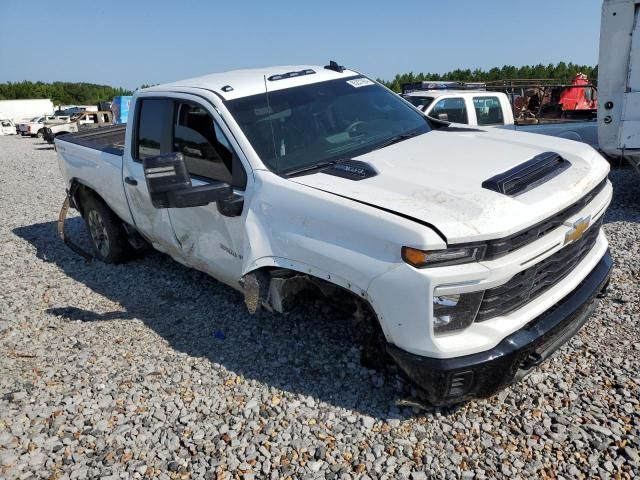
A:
(130, 181)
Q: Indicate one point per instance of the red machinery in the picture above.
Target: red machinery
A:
(547, 99)
(581, 97)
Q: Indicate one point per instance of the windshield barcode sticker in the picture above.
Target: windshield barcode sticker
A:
(360, 82)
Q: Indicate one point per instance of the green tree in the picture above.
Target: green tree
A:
(61, 93)
(562, 72)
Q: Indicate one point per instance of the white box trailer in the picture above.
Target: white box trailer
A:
(18, 110)
(619, 80)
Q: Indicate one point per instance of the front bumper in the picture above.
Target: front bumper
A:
(452, 380)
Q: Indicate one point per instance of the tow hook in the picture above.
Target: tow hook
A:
(533, 360)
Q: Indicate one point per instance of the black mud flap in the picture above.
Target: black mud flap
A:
(61, 218)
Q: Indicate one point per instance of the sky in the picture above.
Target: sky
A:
(135, 42)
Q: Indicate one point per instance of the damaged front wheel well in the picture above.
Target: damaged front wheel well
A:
(280, 290)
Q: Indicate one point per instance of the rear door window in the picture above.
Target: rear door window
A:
(154, 127)
(450, 110)
(488, 110)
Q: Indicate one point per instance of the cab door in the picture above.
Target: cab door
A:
(149, 134)
(212, 237)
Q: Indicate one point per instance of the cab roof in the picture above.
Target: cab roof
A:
(244, 83)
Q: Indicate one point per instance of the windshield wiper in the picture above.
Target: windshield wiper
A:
(397, 139)
(311, 168)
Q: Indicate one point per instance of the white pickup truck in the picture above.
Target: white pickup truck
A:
(493, 109)
(35, 126)
(474, 253)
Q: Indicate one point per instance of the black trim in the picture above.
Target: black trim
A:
(453, 380)
(295, 74)
(352, 170)
(532, 282)
(450, 128)
(528, 175)
(500, 247)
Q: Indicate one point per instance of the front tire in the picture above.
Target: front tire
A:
(105, 228)
(40, 133)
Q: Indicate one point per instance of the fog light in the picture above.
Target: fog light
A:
(456, 311)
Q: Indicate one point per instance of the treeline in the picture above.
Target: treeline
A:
(563, 72)
(61, 93)
(69, 93)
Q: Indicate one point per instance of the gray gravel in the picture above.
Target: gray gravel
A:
(153, 370)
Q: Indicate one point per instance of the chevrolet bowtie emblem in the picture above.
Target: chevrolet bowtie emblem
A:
(577, 230)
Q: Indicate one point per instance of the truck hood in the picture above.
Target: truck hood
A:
(436, 178)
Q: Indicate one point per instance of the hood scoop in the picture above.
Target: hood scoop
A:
(351, 169)
(527, 175)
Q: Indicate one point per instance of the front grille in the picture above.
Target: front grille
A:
(535, 280)
(503, 246)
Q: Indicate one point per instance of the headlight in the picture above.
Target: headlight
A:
(455, 311)
(440, 258)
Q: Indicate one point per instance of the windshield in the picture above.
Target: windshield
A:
(313, 124)
(420, 102)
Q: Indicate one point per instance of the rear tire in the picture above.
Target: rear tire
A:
(40, 133)
(105, 228)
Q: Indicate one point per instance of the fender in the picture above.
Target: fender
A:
(359, 291)
(300, 267)
(291, 226)
(336, 235)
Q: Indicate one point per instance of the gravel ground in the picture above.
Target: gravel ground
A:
(153, 370)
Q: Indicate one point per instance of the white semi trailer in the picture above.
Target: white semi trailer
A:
(18, 110)
(619, 80)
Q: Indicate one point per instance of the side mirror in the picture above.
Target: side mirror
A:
(443, 116)
(170, 186)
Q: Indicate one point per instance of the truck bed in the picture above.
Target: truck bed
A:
(585, 131)
(94, 158)
(106, 139)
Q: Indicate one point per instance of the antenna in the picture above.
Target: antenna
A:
(333, 65)
(273, 137)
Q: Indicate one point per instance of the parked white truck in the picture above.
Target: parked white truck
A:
(476, 253)
(493, 109)
(35, 127)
